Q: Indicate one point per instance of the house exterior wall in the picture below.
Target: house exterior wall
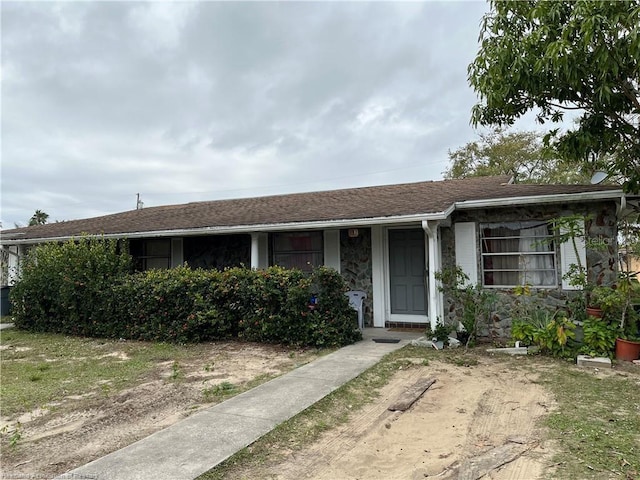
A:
(217, 251)
(601, 256)
(356, 266)
(634, 266)
(10, 264)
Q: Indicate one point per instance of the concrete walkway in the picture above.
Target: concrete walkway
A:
(207, 438)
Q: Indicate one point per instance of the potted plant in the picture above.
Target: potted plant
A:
(613, 303)
(606, 302)
(627, 349)
(440, 335)
(628, 341)
(442, 332)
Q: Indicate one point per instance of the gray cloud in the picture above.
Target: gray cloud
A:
(194, 101)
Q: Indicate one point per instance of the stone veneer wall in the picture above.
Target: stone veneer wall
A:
(602, 256)
(217, 251)
(356, 266)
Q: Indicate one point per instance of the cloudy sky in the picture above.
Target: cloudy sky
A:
(189, 101)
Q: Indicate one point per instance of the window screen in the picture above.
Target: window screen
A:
(518, 253)
(301, 250)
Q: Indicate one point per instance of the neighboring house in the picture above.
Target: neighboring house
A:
(387, 240)
(635, 266)
(630, 262)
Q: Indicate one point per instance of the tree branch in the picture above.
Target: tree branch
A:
(631, 93)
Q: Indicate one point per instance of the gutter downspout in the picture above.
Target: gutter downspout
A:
(431, 228)
(621, 207)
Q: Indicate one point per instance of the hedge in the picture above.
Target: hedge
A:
(64, 287)
(86, 287)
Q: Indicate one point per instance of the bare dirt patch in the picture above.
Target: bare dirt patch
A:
(58, 437)
(472, 413)
(469, 411)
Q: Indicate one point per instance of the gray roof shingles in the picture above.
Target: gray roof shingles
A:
(348, 204)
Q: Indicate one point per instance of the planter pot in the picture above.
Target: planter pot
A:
(627, 350)
(594, 312)
(462, 337)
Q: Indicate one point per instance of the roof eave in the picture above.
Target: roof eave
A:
(266, 227)
(346, 223)
(538, 199)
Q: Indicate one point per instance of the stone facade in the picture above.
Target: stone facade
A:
(356, 266)
(602, 245)
(601, 255)
(217, 251)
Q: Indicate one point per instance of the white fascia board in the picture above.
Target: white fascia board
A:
(538, 199)
(267, 227)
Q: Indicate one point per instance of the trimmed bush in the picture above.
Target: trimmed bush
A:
(276, 308)
(174, 305)
(278, 302)
(85, 287)
(335, 322)
(63, 287)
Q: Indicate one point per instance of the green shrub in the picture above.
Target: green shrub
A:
(175, 305)
(599, 337)
(279, 301)
(333, 322)
(85, 287)
(281, 310)
(523, 332)
(552, 332)
(65, 287)
(235, 296)
(473, 302)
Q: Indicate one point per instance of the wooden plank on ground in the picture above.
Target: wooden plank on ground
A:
(409, 396)
(477, 467)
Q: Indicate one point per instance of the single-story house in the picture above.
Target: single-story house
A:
(388, 241)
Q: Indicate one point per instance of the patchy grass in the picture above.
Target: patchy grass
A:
(39, 369)
(330, 412)
(220, 391)
(597, 424)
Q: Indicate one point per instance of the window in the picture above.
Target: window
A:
(302, 250)
(150, 254)
(518, 253)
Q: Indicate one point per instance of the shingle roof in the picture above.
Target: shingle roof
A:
(399, 200)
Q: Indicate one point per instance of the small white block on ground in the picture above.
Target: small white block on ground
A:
(422, 342)
(597, 362)
(509, 350)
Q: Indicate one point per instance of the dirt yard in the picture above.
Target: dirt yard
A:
(480, 412)
(471, 418)
(68, 434)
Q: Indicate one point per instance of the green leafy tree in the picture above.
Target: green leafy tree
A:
(552, 57)
(520, 154)
(39, 218)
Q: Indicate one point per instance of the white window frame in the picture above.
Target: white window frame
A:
(568, 257)
(148, 257)
(484, 254)
(308, 267)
